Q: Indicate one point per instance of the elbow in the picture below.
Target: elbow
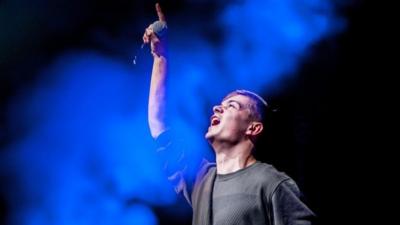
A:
(156, 127)
(156, 121)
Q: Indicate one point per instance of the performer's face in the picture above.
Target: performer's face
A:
(230, 120)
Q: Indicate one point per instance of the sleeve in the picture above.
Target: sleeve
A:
(287, 206)
(173, 153)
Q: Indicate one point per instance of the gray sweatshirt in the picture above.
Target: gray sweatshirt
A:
(258, 194)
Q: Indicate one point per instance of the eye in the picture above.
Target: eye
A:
(233, 105)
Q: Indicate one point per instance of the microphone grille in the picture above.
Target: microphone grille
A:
(159, 28)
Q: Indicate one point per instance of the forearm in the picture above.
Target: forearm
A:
(157, 96)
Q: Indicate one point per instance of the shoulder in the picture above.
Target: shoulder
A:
(287, 186)
(269, 177)
(204, 179)
(269, 173)
(206, 167)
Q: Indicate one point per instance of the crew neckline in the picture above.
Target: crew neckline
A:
(224, 177)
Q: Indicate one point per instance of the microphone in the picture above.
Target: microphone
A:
(160, 30)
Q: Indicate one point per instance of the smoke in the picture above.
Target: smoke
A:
(84, 153)
(251, 44)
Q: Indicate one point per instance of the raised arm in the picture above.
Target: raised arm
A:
(157, 95)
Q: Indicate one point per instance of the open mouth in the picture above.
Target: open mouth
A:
(214, 121)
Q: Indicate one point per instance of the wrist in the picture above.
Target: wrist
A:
(159, 56)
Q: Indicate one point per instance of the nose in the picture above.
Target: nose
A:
(218, 109)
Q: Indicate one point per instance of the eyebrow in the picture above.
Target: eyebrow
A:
(237, 102)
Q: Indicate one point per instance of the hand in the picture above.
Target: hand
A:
(158, 46)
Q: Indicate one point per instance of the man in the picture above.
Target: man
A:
(237, 189)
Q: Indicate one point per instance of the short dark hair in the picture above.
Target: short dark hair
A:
(257, 109)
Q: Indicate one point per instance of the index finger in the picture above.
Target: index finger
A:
(160, 14)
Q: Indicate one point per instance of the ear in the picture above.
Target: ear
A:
(254, 129)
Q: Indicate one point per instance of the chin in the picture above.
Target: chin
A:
(209, 135)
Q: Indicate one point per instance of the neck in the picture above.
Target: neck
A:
(231, 158)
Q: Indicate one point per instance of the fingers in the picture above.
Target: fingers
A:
(145, 39)
(147, 35)
(160, 14)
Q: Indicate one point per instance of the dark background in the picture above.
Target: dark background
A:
(323, 125)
